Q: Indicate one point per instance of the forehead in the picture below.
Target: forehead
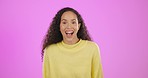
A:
(69, 15)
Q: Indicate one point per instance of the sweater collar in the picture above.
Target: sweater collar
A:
(74, 47)
(71, 45)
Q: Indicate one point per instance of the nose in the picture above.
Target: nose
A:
(68, 25)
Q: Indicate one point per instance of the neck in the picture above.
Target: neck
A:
(73, 41)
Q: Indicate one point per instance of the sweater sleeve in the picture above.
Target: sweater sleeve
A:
(45, 68)
(97, 71)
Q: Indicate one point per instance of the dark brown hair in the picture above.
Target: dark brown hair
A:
(54, 35)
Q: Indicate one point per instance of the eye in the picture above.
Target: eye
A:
(73, 22)
(63, 22)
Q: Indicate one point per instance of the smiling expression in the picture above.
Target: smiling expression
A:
(69, 27)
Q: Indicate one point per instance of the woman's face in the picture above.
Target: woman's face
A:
(69, 27)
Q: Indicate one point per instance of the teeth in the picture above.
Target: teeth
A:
(69, 32)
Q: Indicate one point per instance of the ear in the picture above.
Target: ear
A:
(79, 25)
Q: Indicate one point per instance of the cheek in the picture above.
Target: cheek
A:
(76, 27)
(62, 29)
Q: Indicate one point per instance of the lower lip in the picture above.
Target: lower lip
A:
(69, 35)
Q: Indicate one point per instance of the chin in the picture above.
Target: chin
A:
(69, 39)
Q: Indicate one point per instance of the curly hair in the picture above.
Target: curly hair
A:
(54, 35)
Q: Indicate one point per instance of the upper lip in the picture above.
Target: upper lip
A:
(69, 31)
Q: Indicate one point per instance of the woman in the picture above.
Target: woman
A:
(68, 51)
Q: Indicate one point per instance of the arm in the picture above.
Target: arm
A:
(97, 71)
(45, 68)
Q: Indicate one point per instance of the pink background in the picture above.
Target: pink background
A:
(119, 27)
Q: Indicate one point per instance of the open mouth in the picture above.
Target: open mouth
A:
(69, 33)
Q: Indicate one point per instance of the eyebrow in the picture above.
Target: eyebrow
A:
(63, 20)
(66, 20)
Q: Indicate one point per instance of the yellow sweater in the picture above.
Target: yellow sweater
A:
(80, 60)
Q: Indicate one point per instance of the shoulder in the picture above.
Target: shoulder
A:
(92, 44)
(50, 48)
